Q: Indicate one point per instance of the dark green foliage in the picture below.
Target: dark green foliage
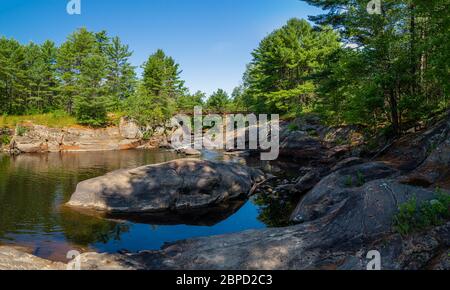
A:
(218, 102)
(159, 92)
(187, 102)
(121, 78)
(4, 139)
(414, 216)
(90, 101)
(393, 70)
(27, 77)
(161, 77)
(293, 127)
(20, 130)
(281, 77)
(87, 76)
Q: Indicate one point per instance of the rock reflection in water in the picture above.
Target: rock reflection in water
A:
(200, 217)
(33, 189)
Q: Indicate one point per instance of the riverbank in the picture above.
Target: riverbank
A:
(31, 138)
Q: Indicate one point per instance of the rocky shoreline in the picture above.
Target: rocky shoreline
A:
(31, 138)
(349, 201)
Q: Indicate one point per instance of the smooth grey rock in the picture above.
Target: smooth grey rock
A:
(338, 186)
(12, 258)
(349, 162)
(315, 245)
(129, 129)
(189, 152)
(435, 170)
(300, 247)
(300, 145)
(177, 185)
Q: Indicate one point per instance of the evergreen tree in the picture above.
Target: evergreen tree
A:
(281, 75)
(218, 102)
(162, 83)
(91, 101)
(187, 102)
(13, 78)
(384, 71)
(79, 46)
(121, 76)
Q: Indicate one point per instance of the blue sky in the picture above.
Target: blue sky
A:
(212, 40)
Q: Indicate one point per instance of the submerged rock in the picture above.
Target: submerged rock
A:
(178, 185)
(189, 151)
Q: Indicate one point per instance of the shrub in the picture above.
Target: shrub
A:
(413, 216)
(349, 181)
(20, 130)
(5, 140)
(360, 178)
(293, 127)
(91, 111)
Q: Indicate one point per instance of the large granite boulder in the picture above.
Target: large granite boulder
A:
(412, 150)
(129, 129)
(337, 187)
(435, 171)
(300, 145)
(177, 185)
(339, 225)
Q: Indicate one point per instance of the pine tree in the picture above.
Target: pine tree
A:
(281, 75)
(161, 80)
(91, 101)
(384, 75)
(121, 76)
(79, 46)
(218, 102)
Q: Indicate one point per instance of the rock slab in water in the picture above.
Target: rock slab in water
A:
(177, 185)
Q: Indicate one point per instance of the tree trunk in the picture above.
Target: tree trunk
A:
(394, 113)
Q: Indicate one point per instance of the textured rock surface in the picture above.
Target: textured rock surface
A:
(337, 187)
(129, 129)
(435, 170)
(301, 146)
(301, 247)
(177, 185)
(41, 139)
(189, 152)
(412, 150)
(17, 259)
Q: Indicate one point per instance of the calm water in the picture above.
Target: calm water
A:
(33, 189)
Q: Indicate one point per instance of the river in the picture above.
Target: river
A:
(34, 188)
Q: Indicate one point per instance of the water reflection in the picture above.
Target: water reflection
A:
(33, 189)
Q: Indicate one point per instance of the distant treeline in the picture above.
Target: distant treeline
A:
(387, 70)
(90, 75)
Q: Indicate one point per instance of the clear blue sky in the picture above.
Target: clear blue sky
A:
(210, 39)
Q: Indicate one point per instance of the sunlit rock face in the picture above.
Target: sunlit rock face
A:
(178, 185)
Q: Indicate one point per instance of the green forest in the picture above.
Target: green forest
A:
(385, 71)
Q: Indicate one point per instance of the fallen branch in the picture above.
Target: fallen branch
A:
(257, 185)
